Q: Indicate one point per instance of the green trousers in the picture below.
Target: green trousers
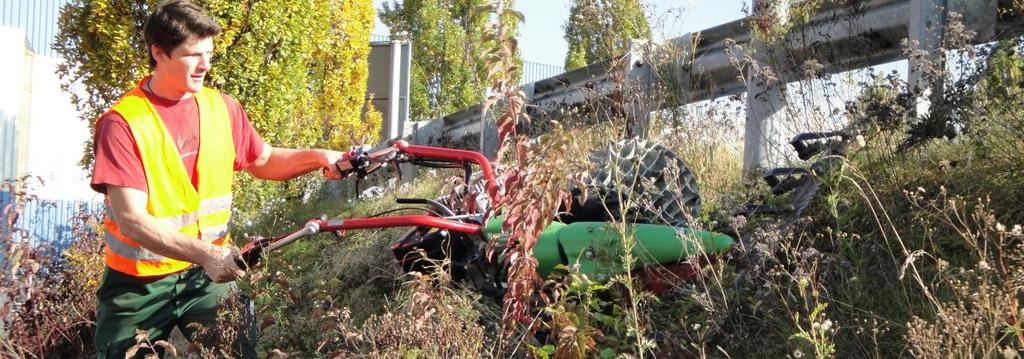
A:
(158, 305)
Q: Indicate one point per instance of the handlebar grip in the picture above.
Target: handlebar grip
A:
(411, 201)
(357, 165)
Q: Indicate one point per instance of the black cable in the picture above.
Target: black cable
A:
(437, 163)
(393, 210)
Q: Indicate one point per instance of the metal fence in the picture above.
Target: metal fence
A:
(37, 17)
(532, 71)
(55, 223)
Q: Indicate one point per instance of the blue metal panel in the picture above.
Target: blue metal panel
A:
(37, 17)
(55, 223)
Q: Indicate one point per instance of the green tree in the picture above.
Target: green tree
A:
(1005, 71)
(299, 68)
(449, 69)
(599, 29)
(999, 119)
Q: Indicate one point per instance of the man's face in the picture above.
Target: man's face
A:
(185, 67)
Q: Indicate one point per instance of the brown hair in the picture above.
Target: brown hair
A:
(173, 22)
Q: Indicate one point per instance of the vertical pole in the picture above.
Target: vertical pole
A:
(925, 31)
(394, 89)
(765, 95)
(636, 99)
(406, 75)
(483, 123)
(52, 17)
(495, 19)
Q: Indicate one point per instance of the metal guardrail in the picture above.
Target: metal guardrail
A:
(714, 62)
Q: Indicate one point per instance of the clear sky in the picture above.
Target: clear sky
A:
(541, 36)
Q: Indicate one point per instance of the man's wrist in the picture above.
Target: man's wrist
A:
(323, 157)
(212, 254)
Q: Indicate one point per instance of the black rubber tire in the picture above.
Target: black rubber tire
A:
(655, 183)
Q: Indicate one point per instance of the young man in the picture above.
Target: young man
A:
(166, 153)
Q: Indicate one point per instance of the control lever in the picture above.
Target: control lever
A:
(785, 179)
(812, 143)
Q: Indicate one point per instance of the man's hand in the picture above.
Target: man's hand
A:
(343, 161)
(220, 265)
(330, 161)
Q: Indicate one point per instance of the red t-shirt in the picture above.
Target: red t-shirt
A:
(119, 163)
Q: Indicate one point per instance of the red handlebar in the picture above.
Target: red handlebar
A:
(375, 160)
(452, 155)
(254, 251)
(398, 221)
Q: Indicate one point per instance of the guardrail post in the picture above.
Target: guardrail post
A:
(636, 92)
(765, 93)
(925, 32)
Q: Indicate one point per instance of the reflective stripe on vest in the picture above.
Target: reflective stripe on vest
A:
(203, 214)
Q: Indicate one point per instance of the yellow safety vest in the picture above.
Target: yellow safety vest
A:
(202, 214)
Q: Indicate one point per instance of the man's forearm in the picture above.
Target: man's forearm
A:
(285, 164)
(157, 238)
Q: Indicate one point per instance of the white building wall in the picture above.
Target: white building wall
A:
(40, 130)
(57, 137)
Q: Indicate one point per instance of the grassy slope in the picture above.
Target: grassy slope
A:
(903, 253)
(840, 259)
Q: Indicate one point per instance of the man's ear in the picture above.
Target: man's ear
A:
(157, 52)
